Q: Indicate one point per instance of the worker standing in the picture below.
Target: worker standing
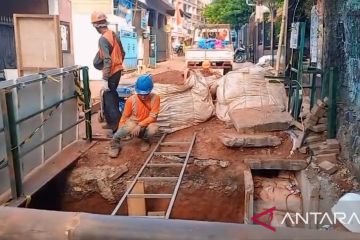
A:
(109, 59)
(139, 116)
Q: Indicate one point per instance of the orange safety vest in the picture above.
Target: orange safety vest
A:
(116, 54)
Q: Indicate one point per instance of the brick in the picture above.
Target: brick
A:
(318, 111)
(332, 143)
(318, 128)
(325, 151)
(316, 146)
(332, 157)
(314, 138)
(322, 120)
(303, 149)
(242, 140)
(328, 167)
(321, 104)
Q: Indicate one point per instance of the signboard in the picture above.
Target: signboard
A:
(294, 39)
(65, 36)
(314, 35)
(144, 19)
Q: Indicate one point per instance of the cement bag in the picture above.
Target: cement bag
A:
(182, 106)
(247, 88)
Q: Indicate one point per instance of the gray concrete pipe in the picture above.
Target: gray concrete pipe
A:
(19, 223)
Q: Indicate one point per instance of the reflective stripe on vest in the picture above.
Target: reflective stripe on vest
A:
(134, 101)
(116, 54)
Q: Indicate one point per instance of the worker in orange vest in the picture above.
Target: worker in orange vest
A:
(139, 116)
(109, 59)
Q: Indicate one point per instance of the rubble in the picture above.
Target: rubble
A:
(242, 140)
(211, 162)
(331, 157)
(328, 167)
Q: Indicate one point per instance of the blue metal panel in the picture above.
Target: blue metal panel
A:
(129, 42)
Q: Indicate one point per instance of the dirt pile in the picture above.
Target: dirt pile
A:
(169, 77)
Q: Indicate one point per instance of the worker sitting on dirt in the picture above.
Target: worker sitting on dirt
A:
(139, 116)
(109, 59)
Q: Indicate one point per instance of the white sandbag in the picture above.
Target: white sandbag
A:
(247, 88)
(182, 106)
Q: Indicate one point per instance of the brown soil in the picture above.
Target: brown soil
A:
(211, 193)
(169, 77)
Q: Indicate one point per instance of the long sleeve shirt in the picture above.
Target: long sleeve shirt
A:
(105, 63)
(142, 111)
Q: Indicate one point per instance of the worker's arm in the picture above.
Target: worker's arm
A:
(153, 113)
(106, 49)
(126, 113)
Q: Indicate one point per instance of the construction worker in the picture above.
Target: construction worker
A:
(109, 59)
(139, 116)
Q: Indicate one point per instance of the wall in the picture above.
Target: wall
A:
(342, 38)
(8, 7)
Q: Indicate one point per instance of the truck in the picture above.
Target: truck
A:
(220, 58)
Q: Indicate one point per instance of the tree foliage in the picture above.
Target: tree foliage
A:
(234, 12)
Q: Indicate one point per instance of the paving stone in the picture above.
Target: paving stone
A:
(326, 151)
(332, 157)
(242, 140)
(276, 163)
(332, 143)
(321, 103)
(313, 139)
(318, 111)
(328, 167)
(322, 120)
(264, 120)
(318, 128)
(316, 146)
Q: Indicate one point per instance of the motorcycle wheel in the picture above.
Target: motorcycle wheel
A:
(239, 58)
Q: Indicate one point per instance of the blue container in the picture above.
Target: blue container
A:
(125, 92)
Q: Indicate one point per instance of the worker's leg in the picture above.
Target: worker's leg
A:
(111, 102)
(120, 133)
(149, 132)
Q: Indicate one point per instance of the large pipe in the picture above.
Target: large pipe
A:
(18, 223)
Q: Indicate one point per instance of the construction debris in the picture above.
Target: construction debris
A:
(239, 140)
(262, 120)
(328, 167)
(211, 162)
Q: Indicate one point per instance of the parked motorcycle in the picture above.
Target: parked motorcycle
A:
(240, 55)
(179, 50)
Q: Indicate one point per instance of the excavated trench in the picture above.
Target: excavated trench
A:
(208, 192)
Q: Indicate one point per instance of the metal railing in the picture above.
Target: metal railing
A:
(10, 92)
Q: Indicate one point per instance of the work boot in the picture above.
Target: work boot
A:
(114, 148)
(145, 146)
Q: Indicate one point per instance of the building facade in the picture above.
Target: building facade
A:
(190, 14)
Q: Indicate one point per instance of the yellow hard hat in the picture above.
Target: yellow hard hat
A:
(206, 64)
(97, 16)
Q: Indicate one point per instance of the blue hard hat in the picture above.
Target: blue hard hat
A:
(144, 84)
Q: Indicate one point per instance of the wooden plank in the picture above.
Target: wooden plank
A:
(167, 179)
(141, 195)
(170, 153)
(164, 165)
(174, 143)
(136, 206)
(47, 171)
(38, 43)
